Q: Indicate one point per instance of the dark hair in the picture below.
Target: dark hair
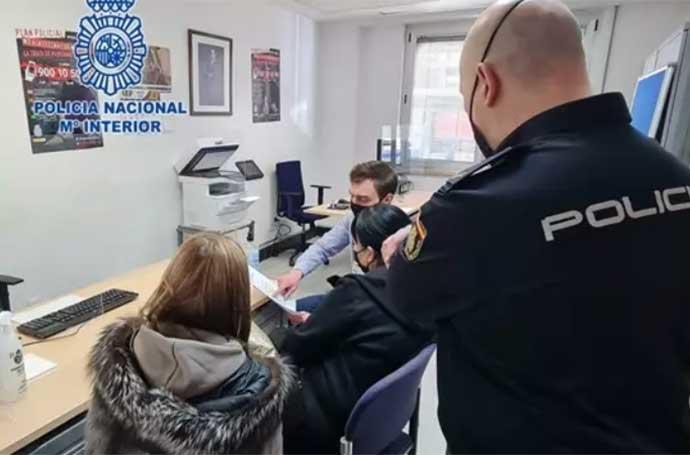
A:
(373, 225)
(384, 177)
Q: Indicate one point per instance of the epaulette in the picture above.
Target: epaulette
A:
(488, 164)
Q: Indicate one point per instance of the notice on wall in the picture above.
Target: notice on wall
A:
(266, 85)
(49, 73)
(156, 78)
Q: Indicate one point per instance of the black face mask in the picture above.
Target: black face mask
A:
(479, 137)
(356, 208)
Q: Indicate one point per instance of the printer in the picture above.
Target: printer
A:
(212, 199)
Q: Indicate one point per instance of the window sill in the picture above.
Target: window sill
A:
(431, 173)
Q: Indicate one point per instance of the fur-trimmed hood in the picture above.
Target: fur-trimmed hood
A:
(127, 415)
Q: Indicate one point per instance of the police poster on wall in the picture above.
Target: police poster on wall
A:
(266, 85)
(49, 73)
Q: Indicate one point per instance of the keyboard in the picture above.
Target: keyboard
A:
(58, 321)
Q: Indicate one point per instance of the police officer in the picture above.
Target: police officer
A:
(554, 275)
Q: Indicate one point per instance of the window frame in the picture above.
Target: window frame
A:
(414, 34)
(598, 24)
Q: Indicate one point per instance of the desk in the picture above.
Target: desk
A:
(410, 202)
(64, 393)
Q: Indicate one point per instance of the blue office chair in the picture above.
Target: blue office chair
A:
(376, 423)
(291, 201)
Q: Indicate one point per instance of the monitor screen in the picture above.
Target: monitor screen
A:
(650, 99)
(249, 170)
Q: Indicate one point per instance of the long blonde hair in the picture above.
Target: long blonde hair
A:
(206, 286)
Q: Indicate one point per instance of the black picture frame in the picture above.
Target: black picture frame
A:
(205, 88)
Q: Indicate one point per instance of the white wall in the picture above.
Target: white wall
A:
(338, 87)
(360, 77)
(640, 28)
(380, 79)
(68, 219)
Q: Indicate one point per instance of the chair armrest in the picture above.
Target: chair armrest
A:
(320, 189)
(10, 280)
(4, 294)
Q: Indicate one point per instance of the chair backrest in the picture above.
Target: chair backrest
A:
(384, 410)
(290, 187)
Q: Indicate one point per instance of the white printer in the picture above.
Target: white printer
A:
(212, 199)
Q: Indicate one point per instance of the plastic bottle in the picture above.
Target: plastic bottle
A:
(253, 257)
(12, 372)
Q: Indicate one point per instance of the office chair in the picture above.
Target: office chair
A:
(291, 201)
(376, 423)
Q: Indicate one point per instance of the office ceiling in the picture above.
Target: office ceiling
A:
(347, 6)
(339, 9)
(325, 10)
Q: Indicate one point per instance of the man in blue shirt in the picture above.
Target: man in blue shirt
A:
(371, 183)
(555, 274)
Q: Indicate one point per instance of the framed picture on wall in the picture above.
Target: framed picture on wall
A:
(210, 74)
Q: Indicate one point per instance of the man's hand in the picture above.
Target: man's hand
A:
(288, 283)
(298, 318)
(392, 244)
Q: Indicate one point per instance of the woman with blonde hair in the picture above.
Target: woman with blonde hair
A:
(179, 378)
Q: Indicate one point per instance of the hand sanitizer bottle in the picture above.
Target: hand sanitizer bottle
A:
(253, 257)
(12, 372)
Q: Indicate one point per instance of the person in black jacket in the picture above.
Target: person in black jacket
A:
(351, 341)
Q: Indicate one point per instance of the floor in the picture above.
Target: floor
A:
(431, 441)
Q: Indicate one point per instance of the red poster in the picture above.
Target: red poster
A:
(48, 73)
(266, 85)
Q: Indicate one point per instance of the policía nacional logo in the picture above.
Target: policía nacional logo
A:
(110, 48)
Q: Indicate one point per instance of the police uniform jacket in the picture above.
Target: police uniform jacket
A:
(557, 280)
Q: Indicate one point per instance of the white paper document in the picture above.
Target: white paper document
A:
(36, 366)
(269, 287)
(41, 310)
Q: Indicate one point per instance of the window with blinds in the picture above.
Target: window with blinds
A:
(439, 136)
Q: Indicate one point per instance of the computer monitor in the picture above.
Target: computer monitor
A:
(650, 101)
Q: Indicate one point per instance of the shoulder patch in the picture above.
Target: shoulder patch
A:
(415, 240)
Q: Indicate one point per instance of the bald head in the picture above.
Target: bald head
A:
(536, 60)
(540, 39)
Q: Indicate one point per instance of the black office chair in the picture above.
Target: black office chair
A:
(291, 201)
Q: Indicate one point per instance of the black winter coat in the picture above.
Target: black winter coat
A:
(128, 416)
(354, 339)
